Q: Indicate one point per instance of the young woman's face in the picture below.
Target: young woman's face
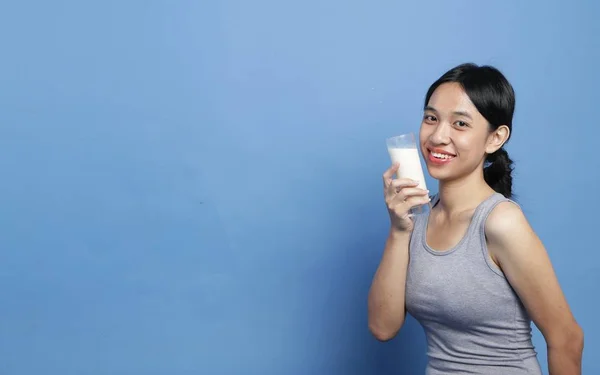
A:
(454, 136)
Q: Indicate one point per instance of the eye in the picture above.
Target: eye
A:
(461, 124)
(429, 118)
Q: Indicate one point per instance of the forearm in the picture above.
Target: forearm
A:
(387, 294)
(565, 359)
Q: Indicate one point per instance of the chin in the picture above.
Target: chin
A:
(437, 175)
(440, 173)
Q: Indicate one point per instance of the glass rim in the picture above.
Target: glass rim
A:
(409, 138)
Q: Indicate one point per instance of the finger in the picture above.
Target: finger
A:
(403, 207)
(389, 173)
(415, 201)
(399, 184)
(404, 182)
(408, 193)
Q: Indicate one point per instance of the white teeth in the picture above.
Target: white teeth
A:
(440, 156)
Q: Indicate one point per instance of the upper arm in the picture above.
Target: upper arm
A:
(526, 264)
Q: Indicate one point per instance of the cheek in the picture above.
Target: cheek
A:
(463, 143)
(423, 133)
(469, 147)
(422, 140)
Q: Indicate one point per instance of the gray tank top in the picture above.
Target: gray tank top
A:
(473, 320)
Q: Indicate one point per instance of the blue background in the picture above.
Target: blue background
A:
(194, 187)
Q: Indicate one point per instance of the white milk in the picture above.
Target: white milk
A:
(410, 164)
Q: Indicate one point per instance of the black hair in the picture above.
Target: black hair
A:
(494, 98)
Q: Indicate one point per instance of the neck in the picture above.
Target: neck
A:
(463, 194)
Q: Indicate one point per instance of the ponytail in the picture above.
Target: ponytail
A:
(498, 174)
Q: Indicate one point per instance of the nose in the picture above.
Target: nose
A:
(441, 135)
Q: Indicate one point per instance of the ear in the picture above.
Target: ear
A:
(497, 138)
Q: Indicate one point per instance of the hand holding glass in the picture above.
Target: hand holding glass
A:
(403, 149)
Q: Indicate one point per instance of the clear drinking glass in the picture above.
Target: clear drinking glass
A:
(403, 149)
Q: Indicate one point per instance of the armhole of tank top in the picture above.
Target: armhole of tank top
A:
(484, 248)
(434, 199)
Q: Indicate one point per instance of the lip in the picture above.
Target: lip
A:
(440, 151)
(436, 161)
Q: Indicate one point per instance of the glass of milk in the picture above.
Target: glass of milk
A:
(403, 149)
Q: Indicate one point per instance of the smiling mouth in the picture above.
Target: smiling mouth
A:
(441, 156)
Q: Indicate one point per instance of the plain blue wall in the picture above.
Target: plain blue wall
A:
(194, 187)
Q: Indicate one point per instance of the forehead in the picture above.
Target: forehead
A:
(450, 97)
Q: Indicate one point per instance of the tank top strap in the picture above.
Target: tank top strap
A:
(477, 228)
(485, 209)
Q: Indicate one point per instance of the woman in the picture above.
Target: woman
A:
(472, 271)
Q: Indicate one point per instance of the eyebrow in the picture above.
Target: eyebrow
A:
(457, 113)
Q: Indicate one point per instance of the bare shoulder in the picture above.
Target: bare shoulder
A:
(512, 243)
(507, 224)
